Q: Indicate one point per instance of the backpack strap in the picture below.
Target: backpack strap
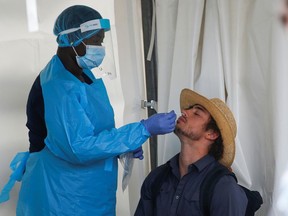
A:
(208, 185)
(207, 188)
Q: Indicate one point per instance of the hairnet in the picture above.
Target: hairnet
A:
(73, 17)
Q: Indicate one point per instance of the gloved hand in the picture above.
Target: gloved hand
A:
(160, 123)
(138, 153)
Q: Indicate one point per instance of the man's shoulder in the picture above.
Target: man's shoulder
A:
(220, 178)
(220, 188)
(160, 170)
(227, 184)
(160, 173)
(218, 173)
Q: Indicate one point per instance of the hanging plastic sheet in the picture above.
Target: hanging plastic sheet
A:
(127, 162)
(17, 165)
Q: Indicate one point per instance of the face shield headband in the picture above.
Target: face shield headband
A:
(90, 25)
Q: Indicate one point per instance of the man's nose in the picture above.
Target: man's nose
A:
(184, 113)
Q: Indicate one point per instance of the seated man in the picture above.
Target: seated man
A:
(207, 131)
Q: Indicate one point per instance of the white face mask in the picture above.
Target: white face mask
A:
(93, 57)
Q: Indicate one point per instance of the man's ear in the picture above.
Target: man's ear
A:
(212, 135)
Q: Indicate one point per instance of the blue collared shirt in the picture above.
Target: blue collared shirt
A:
(180, 196)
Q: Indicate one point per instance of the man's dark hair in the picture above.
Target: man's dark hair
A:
(217, 148)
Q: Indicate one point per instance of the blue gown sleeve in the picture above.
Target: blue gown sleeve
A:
(73, 136)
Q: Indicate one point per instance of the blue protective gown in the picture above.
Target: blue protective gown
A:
(76, 173)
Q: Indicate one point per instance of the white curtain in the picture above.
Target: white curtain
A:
(236, 51)
(128, 22)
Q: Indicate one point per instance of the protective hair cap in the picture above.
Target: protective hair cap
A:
(77, 23)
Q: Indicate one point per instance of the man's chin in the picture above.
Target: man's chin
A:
(177, 131)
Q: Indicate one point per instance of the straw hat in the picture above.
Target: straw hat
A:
(222, 115)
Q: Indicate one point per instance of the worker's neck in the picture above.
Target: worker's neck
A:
(69, 62)
(191, 151)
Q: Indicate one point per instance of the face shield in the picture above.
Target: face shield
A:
(107, 67)
(74, 36)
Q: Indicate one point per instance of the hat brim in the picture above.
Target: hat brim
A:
(189, 98)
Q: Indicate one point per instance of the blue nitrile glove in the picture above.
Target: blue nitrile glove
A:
(160, 123)
(138, 153)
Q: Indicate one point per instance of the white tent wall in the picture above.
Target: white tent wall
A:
(233, 50)
(278, 123)
(129, 35)
(25, 53)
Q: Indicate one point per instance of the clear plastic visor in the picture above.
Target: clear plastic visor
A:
(107, 67)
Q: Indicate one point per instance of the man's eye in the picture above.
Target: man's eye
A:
(190, 107)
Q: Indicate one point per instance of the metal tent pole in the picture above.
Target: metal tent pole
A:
(150, 70)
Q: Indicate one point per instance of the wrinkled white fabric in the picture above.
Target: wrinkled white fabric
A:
(230, 50)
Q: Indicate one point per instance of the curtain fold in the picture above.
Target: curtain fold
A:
(131, 72)
(278, 106)
(177, 64)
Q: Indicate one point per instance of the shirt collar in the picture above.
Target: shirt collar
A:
(199, 165)
(203, 162)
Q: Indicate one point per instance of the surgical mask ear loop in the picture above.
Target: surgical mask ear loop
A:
(75, 49)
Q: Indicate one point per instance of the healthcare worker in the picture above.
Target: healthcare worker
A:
(71, 167)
